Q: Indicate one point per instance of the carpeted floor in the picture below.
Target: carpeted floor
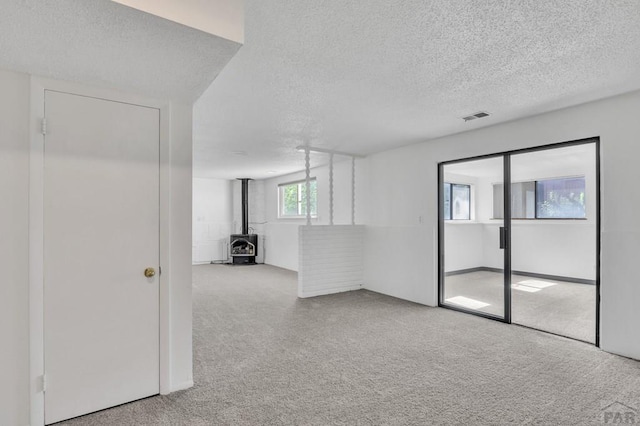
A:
(264, 357)
(560, 307)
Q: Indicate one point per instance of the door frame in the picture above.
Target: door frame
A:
(36, 230)
(506, 224)
(506, 155)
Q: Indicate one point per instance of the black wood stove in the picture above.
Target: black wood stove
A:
(244, 246)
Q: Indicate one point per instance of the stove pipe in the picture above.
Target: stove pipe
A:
(245, 205)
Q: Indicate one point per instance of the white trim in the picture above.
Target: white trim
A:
(165, 248)
(182, 386)
(36, 231)
(436, 270)
(324, 291)
(36, 255)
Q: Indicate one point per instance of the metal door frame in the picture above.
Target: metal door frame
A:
(506, 155)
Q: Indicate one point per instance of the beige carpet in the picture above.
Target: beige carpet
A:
(264, 357)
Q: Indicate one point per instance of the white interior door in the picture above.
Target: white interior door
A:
(101, 231)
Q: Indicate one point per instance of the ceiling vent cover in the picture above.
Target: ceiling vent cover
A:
(476, 115)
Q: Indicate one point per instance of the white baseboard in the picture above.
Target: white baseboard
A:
(325, 291)
(181, 386)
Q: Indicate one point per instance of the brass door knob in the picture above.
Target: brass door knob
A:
(149, 272)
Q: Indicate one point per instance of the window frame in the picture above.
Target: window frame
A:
(448, 216)
(300, 201)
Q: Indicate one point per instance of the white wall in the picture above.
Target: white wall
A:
(396, 214)
(257, 216)
(14, 255)
(282, 234)
(217, 213)
(464, 240)
(179, 250)
(464, 245)
(401, 236)
(15, 352)
(212, 219)
(281, 245)
(561, 249)
(550, 248)
(223, 18)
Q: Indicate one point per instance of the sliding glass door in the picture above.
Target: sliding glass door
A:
(553, 234)
(534, 259)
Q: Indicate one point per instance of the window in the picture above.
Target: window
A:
(292, 199)
(457, 201)
(560, 198)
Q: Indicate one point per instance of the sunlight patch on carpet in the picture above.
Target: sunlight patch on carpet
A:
(467, 302)
(525, 288)
(536, 284)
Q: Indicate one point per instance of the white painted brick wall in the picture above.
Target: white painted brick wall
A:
(212, 220)
(331, 259)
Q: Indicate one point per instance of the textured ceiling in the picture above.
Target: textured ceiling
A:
(369, 75)
(103, 43)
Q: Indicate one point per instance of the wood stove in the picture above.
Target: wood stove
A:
(243, 247)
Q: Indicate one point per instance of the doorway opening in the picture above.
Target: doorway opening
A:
(534, 260)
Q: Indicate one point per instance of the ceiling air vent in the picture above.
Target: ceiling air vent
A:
(476, 115)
